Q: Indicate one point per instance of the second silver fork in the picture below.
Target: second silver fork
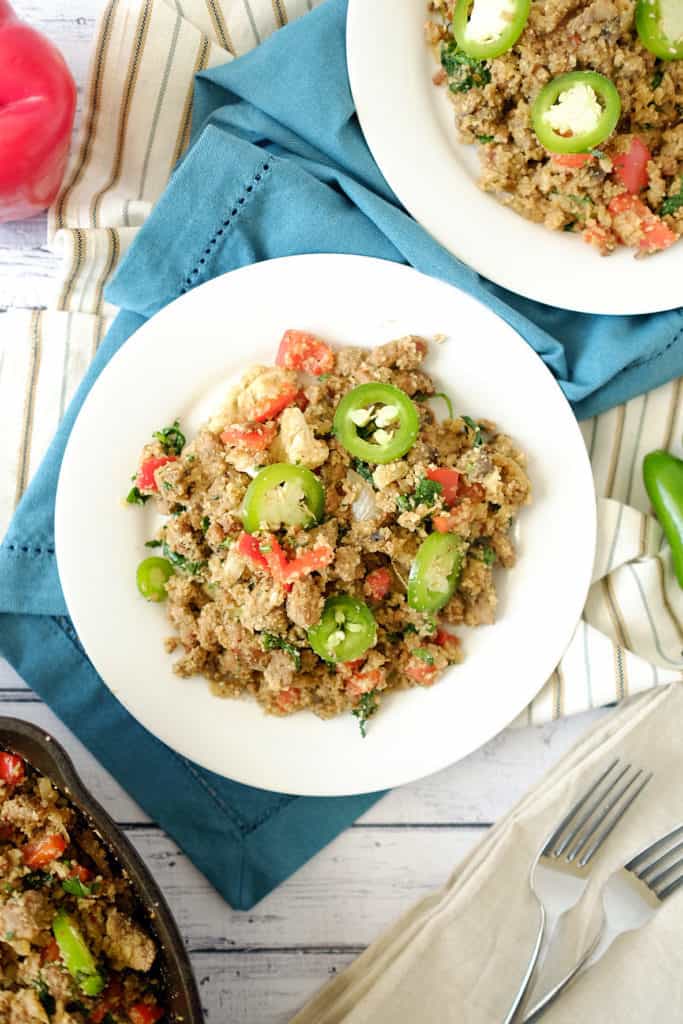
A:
(562, 866)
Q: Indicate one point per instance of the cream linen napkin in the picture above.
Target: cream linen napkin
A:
(458, 955)
(135, 126)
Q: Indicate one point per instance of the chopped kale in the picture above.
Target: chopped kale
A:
(152, 543)
(478, 440)
(206, 523)
(365, 709)
(570, 226)
(36, 880)
(672, 203)
(272, 642)
(426, 493)
(135, 497)
(181, 562)
(171, 439)
(47, 1001)
(657, 78)
(363, 469)
(485, 138)
(75, 887)
(488, 555)
(421, 396)
(464, 72)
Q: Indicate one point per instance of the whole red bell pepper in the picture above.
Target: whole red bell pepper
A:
(37, 106)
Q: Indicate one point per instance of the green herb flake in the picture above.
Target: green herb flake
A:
(464, 72)
(171, 439)
(570, 226)
(488, 555)
(426, 493)
(365, 709)
(363, 469)
(152, 543)
(484, 139)
(672, 203)
(46, 1000)
(74, 887)
(423, 655)
(478, 440)
(36, 880)
(272, 642)
(206, 523)
(135, 497)
(657, 78)
(181, 562)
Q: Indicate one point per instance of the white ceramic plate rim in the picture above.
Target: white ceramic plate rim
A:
(99, 540)
(410, 130)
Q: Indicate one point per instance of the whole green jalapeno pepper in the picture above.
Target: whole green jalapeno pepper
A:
(663, 478)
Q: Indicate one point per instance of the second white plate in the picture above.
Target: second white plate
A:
(409, 125)
(179, 365)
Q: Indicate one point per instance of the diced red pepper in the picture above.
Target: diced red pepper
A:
(109, 1000)
(449, 641)
(254, 436)
(12, 770)
(81, 873)
(41, 852)
(631, 167)
(300, 350)
(50, 953)
(421, 672)
(310, 561)
(268, 553)
(145, 479)
(287, 698)
(443, 523)
(656, 235)
(450, 483)
(346, 667)
(363, 682)
(571, 160)
(272, 407)
(145, 1013)
(378, 583)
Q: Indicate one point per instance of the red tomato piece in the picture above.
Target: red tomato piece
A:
(631, 167)
(12, 769)
(656, 235)
(41, 852)
(145, 1013)
(449, 641)
(450, 483)
(422, 673)
(268, 553)
(287, 698)
(254, 436)
(364, 682)
(308, 562)
(81, 873)
(378, 583)
(50, 954)
(145, 479)
(302, 351)
(274, 405)
(350, 666)
(443, 523)
(572, 160)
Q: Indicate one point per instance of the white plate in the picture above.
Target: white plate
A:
(409, 125)
(179, 364)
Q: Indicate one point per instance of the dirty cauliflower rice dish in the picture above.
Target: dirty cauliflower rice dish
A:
(328, 528)
(74, 947)
(576, 109)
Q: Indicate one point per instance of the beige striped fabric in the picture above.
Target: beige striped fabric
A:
(136, 125)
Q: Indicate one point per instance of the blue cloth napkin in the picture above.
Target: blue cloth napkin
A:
(277, 166)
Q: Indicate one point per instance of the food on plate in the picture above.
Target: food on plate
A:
(327, 528)
(74, 946)
(575, 108)
(663, 478)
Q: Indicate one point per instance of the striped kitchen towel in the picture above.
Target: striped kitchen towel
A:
(136, 126)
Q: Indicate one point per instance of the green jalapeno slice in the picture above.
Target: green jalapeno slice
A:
(576, 112)
(347, 628)
(77, 958)
(660, 27)
(152, 576)
(283, 495)
(435, 572)
(376, 422)
(484, 36)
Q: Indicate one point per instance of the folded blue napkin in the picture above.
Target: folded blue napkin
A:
(277, 166)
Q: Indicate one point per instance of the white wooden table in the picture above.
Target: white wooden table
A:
(261, 966)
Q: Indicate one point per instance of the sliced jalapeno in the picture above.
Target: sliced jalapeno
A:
(77, 958)
(485, 36)
(576, 112)
(283, 495)
(346, 629)
(152, 576)
(660, 27)
(435, 572)
(377, 422)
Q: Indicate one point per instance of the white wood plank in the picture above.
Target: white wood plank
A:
(345, 896)
(267, 988)
(27, 277)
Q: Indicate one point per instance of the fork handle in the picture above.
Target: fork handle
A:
(512, 1015)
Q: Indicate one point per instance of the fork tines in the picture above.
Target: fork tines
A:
(595, 814)
(659, 865)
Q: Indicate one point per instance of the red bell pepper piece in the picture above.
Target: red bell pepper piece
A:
(302, 351)
(286, 698)
(12, 770)
(378, 583)
(145, 1013)
(631, 167)
(571, 160)
(450, 483)
(145, 479)
(40, 852)
(37, 107)
(254, 436)
(422, 673)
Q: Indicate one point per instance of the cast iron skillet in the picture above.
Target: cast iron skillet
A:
(47, 756)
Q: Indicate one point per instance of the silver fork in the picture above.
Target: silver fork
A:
(630, 898)
(561, 869)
